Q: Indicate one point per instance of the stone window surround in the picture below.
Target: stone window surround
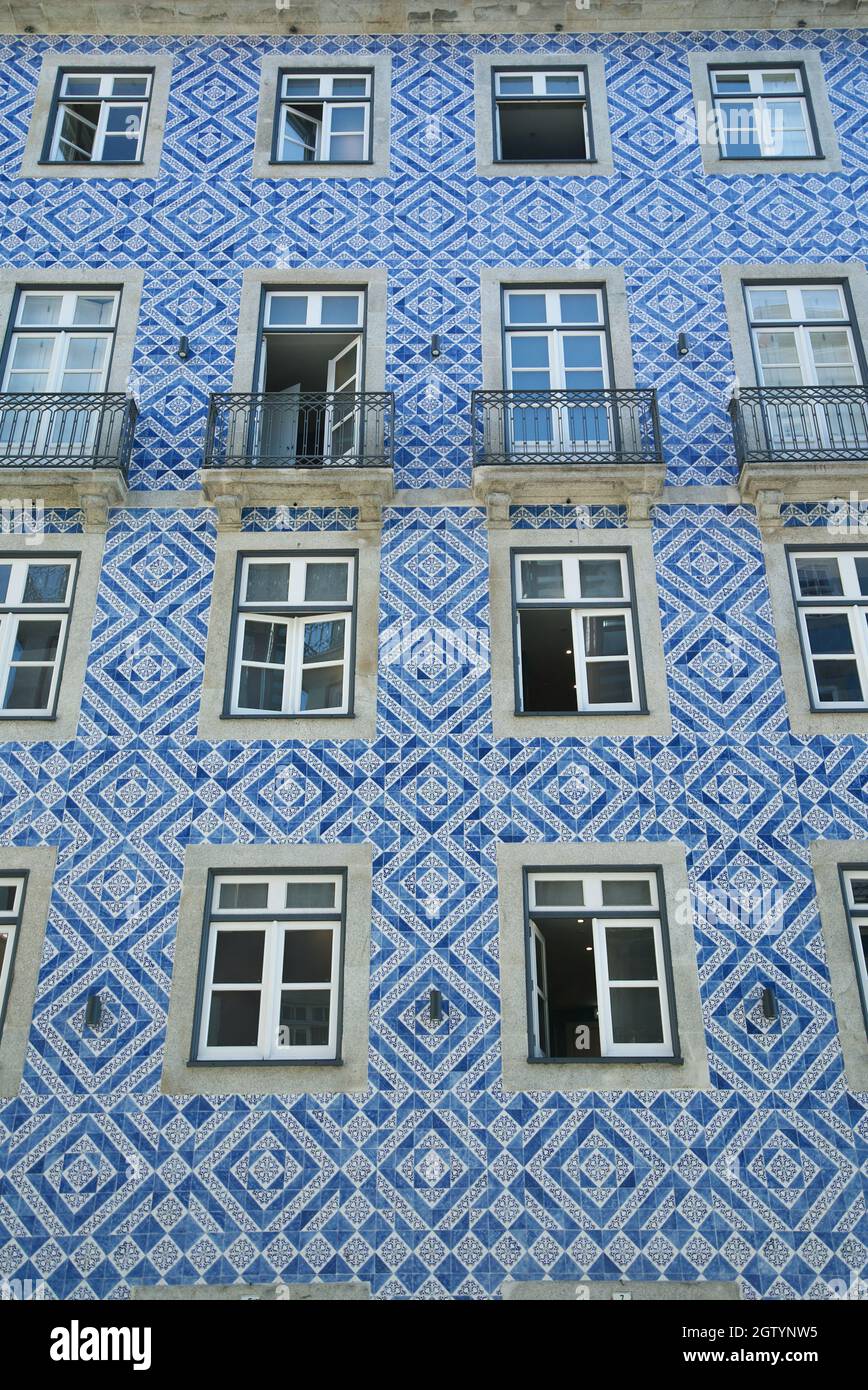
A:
(216, 726)
(655, 720)
(372, 279)
(826, 857)
(602, 165)
(614, 1290)
(34, 167)
(803, 719)
(828, 162)
(88, 549)
(606, 1074)
(181, 1076)
(273, 64)
(38, 863)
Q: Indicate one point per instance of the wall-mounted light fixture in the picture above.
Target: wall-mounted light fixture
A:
(93, 1011)
(683, 345)
(769, 1004)
(435, 1005)
(183, 347)
(435, 346)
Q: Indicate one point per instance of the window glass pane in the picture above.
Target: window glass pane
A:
(74, 86)
(340, 308)
(829, 632)
(626, 892)
(636, 1016)
(287, 310)
(307, 956)
(514, 86)
(859, 890)
(238, 957)
(304, 1017)
(299, 138)
(259, 688)
(580, 308)
(94, 311)
(785, 128)
(267, 583)
(731, 82)
(773, 80)
(819, 577)
(324, 641)
(8, 893)
(738, 130)
(609, 683)
(349, 86)
(526, 308)
(243, 895)
(45, 583)
(861, 563)
(605, 636)
(347, 147)
(85, 354)
(563, 84)
(322, 687)
(542, 579)
(600, 578)
(837, 682)
(264, 642)
(584, 352)
(771, 303)
(28, 687)
(310, 895)
(326, 583)
(234, 1018)
(823, 302)
(301, 86)
(5, 575)
(130, 87)
(78, 133)
(558, 892)
(530, 352)
(40, 310)
(631, 953)
(36, 641)
(348, 119)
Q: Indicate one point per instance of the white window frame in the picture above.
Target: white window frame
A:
(851, 602)
(107, 101)
(274, 921)
(759, 99)
(581, 608)
(63, 333)
(313, 311)
(330, 102)
(295, 614)
(857, 921)
(10, 925)
(603, 918)
(801, 325)
(13, 611)
(538, 93)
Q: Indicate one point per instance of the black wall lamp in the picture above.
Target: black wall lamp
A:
(435, 1006)
(183, 347)
(93, 1011)
(683, 345)
(435, 346)
(769, 1004)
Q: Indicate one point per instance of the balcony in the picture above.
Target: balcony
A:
(286, 448)
(576, 446)
(68, 448)
(799, 443)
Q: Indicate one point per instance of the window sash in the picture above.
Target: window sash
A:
(538, 85)
(268, 1046)
(553, 318)
(13, 611)
(852, 604)
(571, 571)
(592, 891)
(10, 922)
(313, 312)
(330, 102)
(107, 101)
(294, 665)
(298, 571)
(759, 98)
(606, 983)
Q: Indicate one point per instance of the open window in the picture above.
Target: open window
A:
(598, 964)
(12, 887)
(324, 118)
(541, 117)
(310, 378)
(855, 885)
(99, 117)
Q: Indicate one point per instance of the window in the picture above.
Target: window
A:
(99, 118)
(855, 886)
(310, 375)
(61, 341)
(541, 116)
(272, 967)
(323, 118)
(763, 113)
(576, 639)
(831, 595)
(598, 965)
(11, 904)
(556, 341)
(35, 602)
(293, 634)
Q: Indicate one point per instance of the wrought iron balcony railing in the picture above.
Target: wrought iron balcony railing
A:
(795, 424)
(308, 429)
(565, 427)
(66, 430)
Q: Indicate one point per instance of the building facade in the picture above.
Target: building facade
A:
(540, 945)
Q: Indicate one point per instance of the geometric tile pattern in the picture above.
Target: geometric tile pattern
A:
(435, 1182)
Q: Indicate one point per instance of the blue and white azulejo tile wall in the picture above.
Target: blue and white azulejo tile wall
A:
(436, 1182)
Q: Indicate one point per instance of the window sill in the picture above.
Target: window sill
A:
(604, 1061)
(266, 1062)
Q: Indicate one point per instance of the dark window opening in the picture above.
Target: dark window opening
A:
(548, 671)
(532, 131)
